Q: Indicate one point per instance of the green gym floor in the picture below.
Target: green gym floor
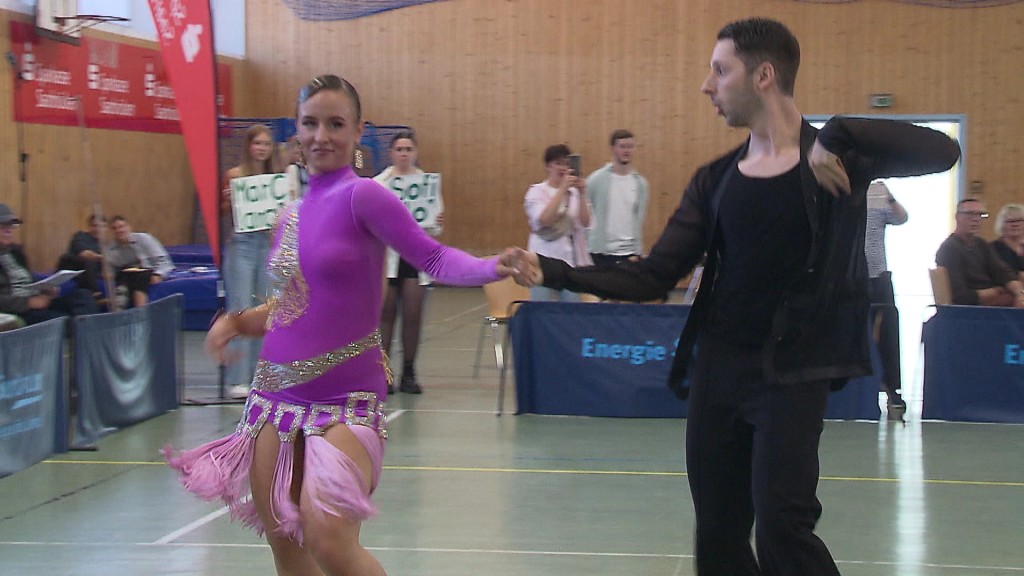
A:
(467, 493)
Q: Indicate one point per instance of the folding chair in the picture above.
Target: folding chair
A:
(942, 291)
(502, 299)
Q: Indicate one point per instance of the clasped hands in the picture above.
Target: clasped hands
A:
(522, 266)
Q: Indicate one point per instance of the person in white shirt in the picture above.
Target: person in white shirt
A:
(139, 259)
(559, 216)
(618, 197)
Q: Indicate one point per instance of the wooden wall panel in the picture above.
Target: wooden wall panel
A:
(144, 176)
(488, 84)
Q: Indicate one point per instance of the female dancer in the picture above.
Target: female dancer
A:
(311, 438)
(245, 276)
(405, 283)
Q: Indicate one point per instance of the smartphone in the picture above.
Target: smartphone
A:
(574, 163)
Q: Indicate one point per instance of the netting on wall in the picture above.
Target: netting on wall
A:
(345, 9)
(935, 3)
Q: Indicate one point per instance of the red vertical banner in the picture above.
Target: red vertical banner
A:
(185, 31)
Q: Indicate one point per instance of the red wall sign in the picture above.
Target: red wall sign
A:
(121, 87)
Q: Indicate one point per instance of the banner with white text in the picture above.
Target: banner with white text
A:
(33, 414)
(120, 86)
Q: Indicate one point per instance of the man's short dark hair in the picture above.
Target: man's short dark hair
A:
(620, 134)
(760, 40)
(966, 200)
(556, 152)
(117, 218)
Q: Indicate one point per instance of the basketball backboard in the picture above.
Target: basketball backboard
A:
(51, 20)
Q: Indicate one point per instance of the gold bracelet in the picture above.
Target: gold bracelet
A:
(236, 317)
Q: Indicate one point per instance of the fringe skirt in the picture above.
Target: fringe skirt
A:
(219, 470)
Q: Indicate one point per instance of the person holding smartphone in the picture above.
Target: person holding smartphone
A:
(559, 216)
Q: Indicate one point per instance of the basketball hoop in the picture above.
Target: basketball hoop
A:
(73, 25)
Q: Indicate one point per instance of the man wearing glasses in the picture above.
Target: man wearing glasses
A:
(977, 276)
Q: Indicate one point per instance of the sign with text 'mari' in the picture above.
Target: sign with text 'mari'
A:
(256, 200)
(421, 194)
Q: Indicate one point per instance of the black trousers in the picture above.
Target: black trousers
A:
(78, 302)
(608, 259)
(752, 462)
(880, 292)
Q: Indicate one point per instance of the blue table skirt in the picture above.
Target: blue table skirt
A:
(613, 360)
(974, 364)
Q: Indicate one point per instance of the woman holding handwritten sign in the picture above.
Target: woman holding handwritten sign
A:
(245, 279)
(405, 283)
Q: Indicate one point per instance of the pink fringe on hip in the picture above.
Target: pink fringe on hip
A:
(283, 508)
(218, 469)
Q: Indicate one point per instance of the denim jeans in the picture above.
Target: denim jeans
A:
(245, 285)
(542, 294)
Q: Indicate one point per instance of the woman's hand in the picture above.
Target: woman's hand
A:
(223, 330)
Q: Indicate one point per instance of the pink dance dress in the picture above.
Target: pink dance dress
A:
(322, 363)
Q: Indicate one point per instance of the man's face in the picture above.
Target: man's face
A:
(730, 86)
(622, 151)
(122, 231)
(96, 227)
(7, 232)
(969, 217)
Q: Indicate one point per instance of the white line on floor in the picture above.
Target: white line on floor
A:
(171, 537)
(1006, 569)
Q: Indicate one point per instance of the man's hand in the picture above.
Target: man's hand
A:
(828, 170)
(39, 301)
(524, 267)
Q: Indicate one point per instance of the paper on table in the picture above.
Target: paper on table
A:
(54, 280)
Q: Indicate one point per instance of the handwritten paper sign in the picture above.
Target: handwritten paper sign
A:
(421, 194)
(256, 200)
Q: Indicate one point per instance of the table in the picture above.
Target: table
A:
(974, 364)
(613, 360)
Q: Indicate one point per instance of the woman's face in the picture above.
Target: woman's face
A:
(261, 147)
(403, 154)
(557, 169)
(328, 131)
(1013, 225)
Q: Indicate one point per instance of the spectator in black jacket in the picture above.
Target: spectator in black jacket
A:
(85, 254)
(1010, 244)
(16, 297)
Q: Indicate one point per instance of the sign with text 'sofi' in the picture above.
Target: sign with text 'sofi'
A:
(421, 194)
(256, 200)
